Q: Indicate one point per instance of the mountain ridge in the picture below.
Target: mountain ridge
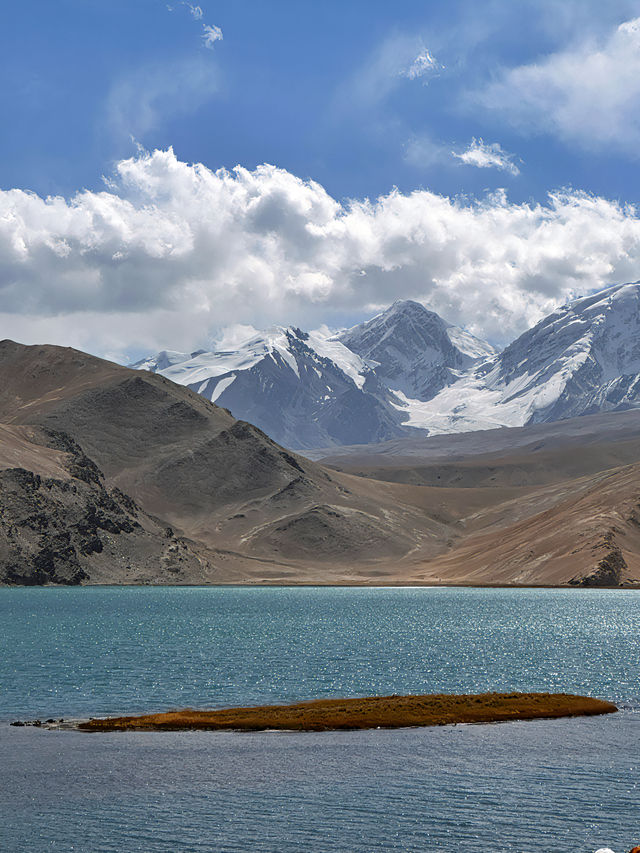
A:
(581, 359)
(407, 371)
(309, 389)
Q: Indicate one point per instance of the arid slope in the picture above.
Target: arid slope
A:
(567, 508)
(79, 433)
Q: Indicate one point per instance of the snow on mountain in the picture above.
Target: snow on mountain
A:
(210, 373)
(312, 389)
(415, 351)
(581, 359)
(586, 355)
(467, 344)
(408, 369)
(163, 360)
(304, 389)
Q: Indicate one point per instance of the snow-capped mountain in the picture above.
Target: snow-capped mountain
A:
(304, 389)
(586, 357)
(409, 369)
(415, 351)
(581, 359)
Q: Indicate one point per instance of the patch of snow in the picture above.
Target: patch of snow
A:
(208, 365)
(469, 345)
(276, 340)
(349, 362)
(222, 385)
(161, 361)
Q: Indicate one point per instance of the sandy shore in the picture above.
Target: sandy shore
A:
(364, 713)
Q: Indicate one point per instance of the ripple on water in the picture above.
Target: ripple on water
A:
(539, 787)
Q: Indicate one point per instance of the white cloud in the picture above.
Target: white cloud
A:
(423, 64)
(211, 35)
(587, 95)
(486, 155)
(382, 73)
(196, 11)
(234, 336)
(171, 252)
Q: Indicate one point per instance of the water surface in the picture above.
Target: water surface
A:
(537, 787)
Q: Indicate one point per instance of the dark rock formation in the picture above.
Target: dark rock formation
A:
(608, 571)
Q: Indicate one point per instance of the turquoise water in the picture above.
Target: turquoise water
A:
(538, 787)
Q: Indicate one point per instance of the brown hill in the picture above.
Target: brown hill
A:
(182, 492)
(109, 475)
(588, 535)
(568, 510)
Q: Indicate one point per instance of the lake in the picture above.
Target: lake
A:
(535, 787)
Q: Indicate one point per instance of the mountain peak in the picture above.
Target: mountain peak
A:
(581, 359)
(407, 306)
(416, 351)
(408, 310)
(407, 367)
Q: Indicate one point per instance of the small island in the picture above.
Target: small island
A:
(364, 713)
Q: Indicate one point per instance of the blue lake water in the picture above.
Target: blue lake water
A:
(537, 787)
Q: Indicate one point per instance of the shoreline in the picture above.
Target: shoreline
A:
(358, 713)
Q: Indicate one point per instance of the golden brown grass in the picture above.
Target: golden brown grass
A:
(366, 713)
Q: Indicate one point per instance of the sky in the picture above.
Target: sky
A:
(169, 169)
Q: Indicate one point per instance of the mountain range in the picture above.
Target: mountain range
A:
(407, 371)
(115, 475)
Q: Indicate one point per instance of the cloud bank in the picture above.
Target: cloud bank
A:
(170, 252)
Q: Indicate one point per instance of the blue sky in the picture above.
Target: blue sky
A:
(443, 100)
(315, 88)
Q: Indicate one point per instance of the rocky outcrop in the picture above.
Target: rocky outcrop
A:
(69, 531)
(50, 528)
(608, 572)
(609, 569)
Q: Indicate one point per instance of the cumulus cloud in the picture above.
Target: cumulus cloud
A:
(488, 156)
(211, 35)
(170, 252)
(588, 95)
(424, 64)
